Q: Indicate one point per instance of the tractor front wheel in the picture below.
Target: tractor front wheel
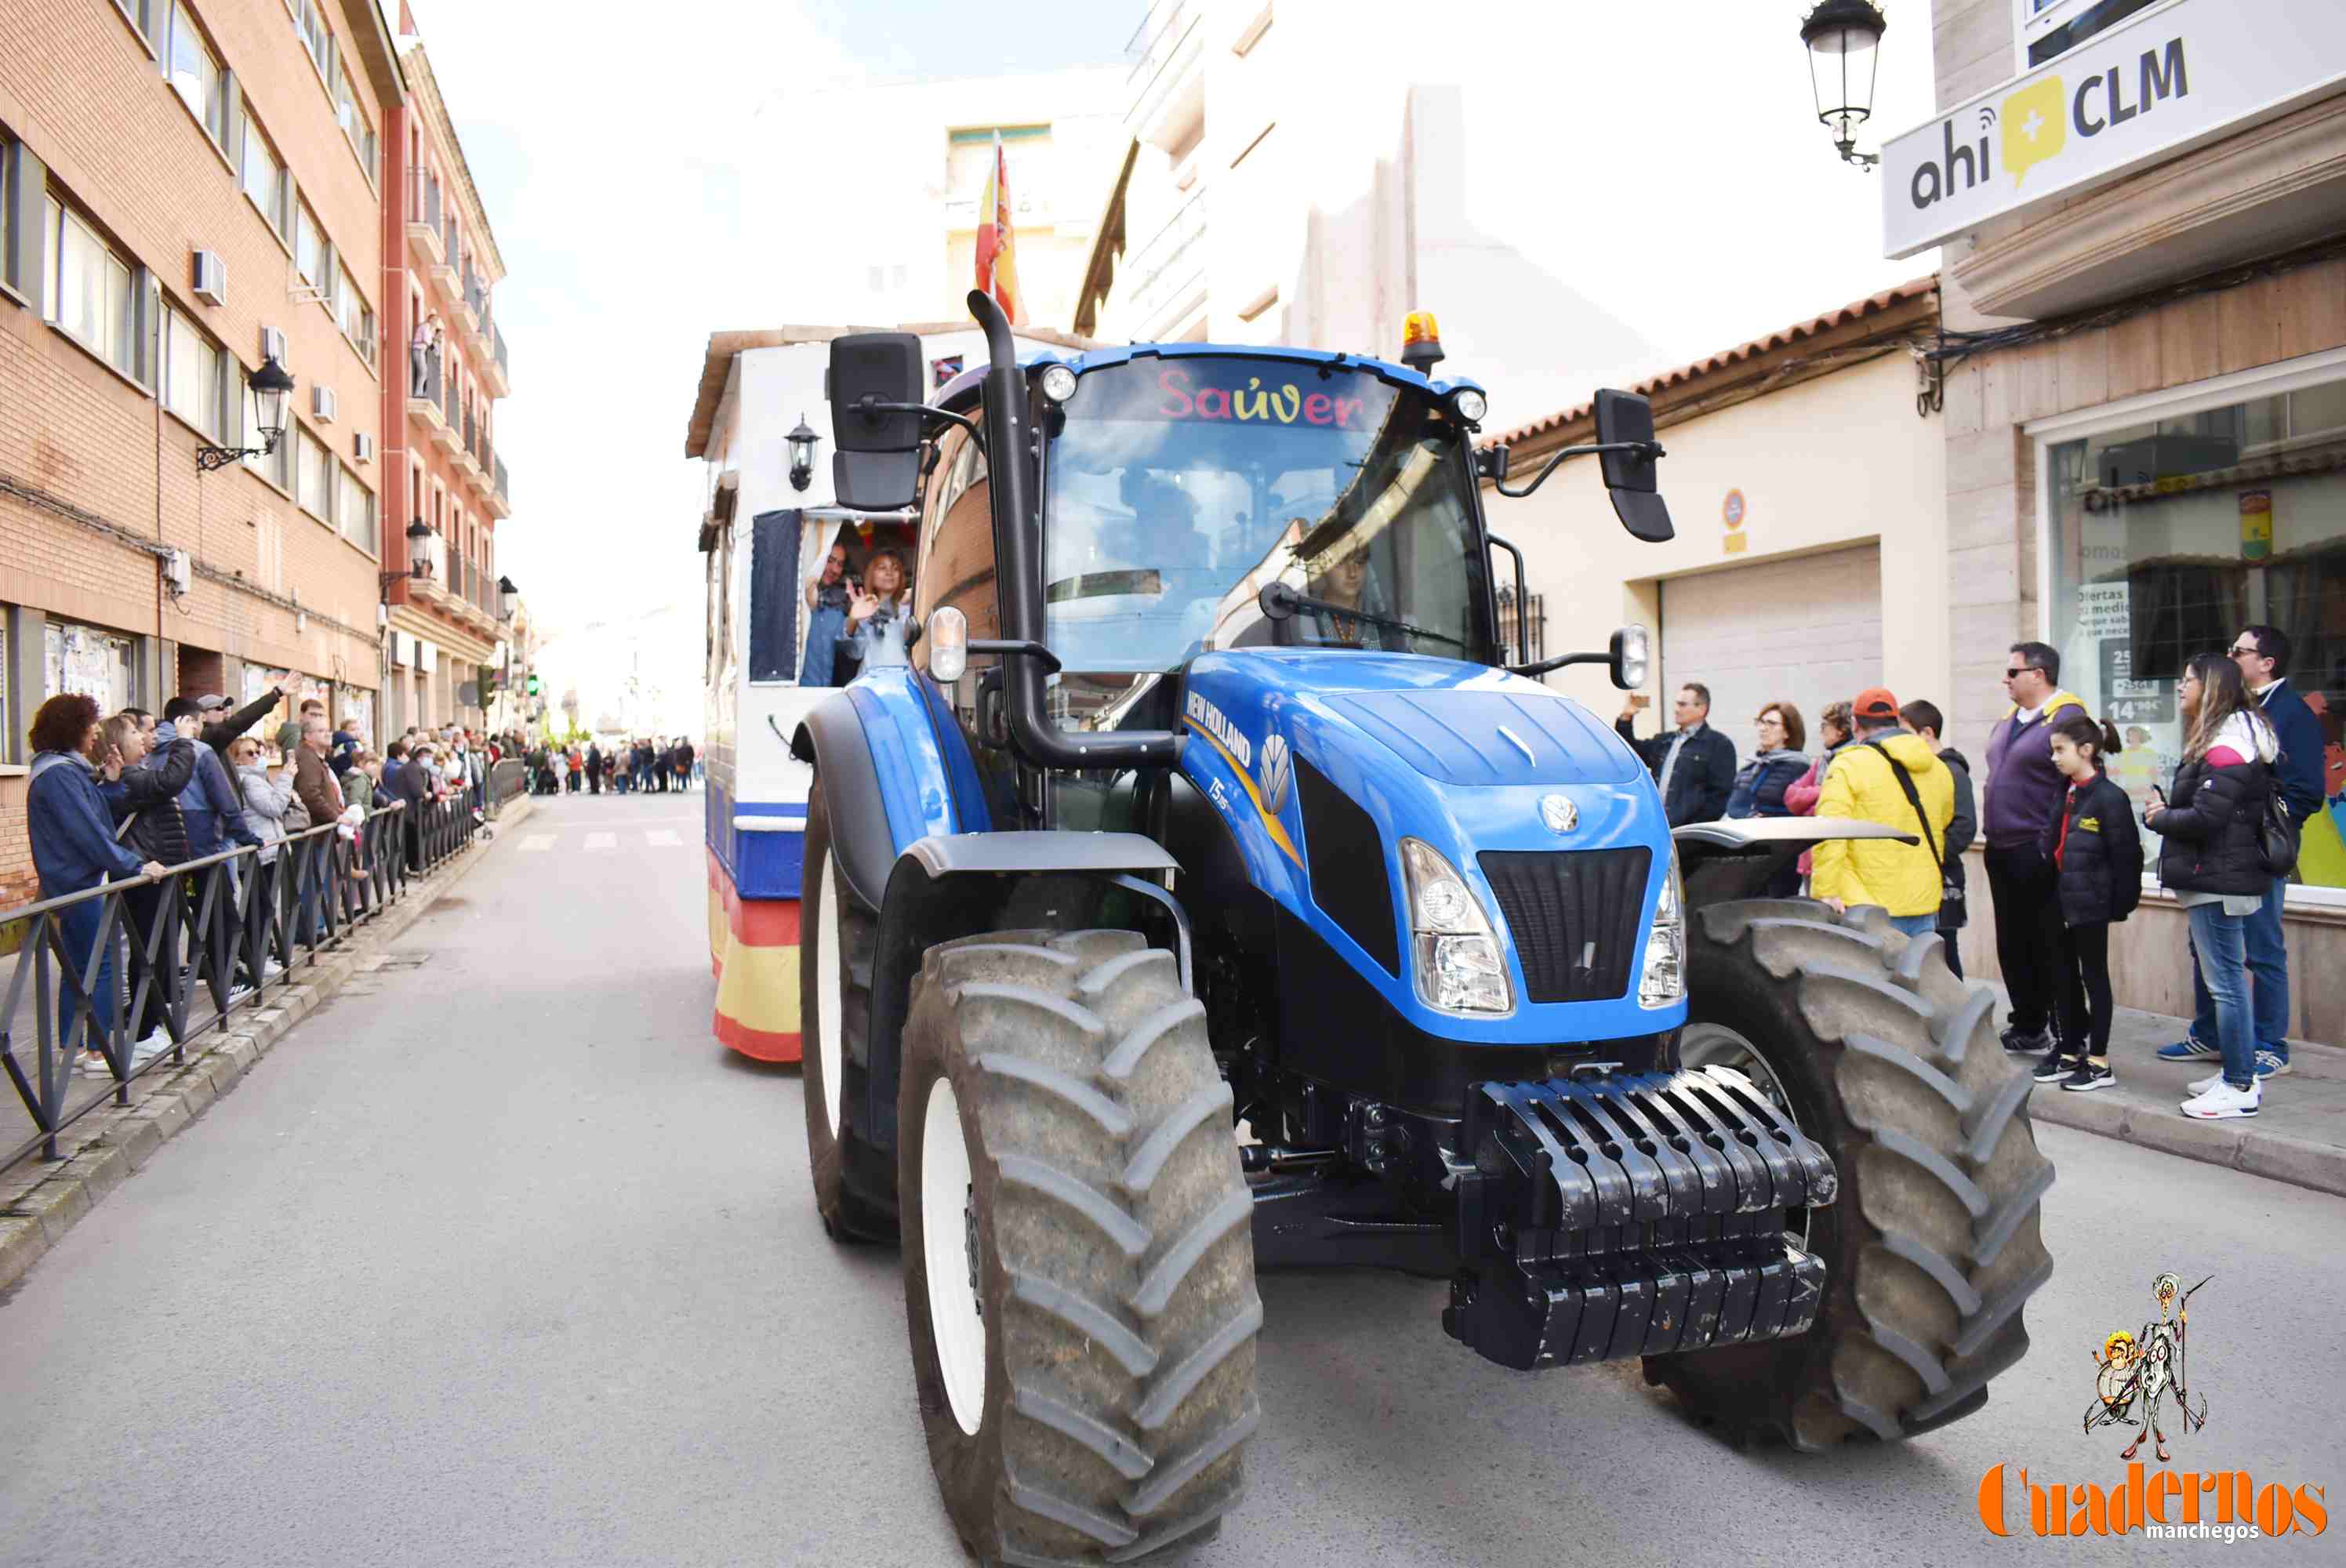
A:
(838, 938)
(1079, 1263)
(1882, 1055)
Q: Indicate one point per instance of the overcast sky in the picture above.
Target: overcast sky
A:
(1663, 160)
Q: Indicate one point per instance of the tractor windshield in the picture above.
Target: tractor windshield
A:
(1180, 487)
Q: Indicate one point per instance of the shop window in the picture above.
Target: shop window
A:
(2168, 538)
(91, 661)
(2048, 29)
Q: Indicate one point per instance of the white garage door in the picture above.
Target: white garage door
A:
(1805, 631)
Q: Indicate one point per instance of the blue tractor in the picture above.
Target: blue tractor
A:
(1203, 894)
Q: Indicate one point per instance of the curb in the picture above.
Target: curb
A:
(116, 1142)
(2296, 1161)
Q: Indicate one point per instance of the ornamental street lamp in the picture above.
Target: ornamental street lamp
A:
(1843, 39)
(419, 559)
(266, 390)
(506, 594)
(801, 440)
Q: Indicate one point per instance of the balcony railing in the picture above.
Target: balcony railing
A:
(498, 338)
(1171, 259)
(476, 295)
(422, 199)
(503, 494)
(450, 405)
(427, 387)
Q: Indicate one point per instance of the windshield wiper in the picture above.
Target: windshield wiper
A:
(1278, 601)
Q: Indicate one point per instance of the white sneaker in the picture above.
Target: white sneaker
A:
(154, 1045)
(93, 1064)
(2198, 1087)
(2222, 1102)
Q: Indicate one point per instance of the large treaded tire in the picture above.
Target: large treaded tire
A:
(833, 991)
(1932, 1246)
(1114, 1257)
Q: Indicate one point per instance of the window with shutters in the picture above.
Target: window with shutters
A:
(196, 75)
(91, 294)
(262, 175)
(192, 370)
(316, 492)
(354, 508)
(309, 247)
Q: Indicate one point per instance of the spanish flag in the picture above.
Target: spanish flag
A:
(997, 242)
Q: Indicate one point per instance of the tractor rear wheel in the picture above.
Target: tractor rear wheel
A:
(1932, 1249)
(838, 938)
(1078, 1261)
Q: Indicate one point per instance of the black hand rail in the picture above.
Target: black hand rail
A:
(229, 927)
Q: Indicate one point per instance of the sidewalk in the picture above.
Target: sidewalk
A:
(2298, 1137)
(40, 1200)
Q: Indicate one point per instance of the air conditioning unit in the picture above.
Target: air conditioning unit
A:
(321, 404)
(211, 278)
(272, 344)
(362, 445)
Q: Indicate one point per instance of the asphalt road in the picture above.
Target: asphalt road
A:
(506, 1260)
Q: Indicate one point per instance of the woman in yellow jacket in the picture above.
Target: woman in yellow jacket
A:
(1864, 782)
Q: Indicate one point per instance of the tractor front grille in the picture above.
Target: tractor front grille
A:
(1573, 915)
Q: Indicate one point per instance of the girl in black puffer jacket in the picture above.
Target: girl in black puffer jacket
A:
(2096, 854)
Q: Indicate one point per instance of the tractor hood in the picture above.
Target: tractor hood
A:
(1321, 760)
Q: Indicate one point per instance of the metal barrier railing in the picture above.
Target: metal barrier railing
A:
(229, 927)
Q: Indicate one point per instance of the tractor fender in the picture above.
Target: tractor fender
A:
(896, 775)
(954, 885)
(1734, 858)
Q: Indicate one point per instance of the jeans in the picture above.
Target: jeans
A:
(2220, 953)
(825, 625)
(78, 926)
(2267, 960)
(1916, 925)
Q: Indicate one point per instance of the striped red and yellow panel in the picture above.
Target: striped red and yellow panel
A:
(753, 949)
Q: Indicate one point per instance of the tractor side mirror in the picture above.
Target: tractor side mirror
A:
(874, 387)
(1625, 418)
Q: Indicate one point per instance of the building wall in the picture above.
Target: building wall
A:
(1884, 481)
(1293, 183)
(1993, 561)
(455, 609)
(96, 478)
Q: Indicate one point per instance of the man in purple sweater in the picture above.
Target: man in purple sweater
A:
(2024, 793)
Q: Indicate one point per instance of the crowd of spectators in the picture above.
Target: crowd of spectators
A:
(129, 796)
(2063, 847)
(647, 767)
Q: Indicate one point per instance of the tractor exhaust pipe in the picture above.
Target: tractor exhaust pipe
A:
(1018, 549)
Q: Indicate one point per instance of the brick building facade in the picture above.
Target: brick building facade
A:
(440, 463)
(185, 189)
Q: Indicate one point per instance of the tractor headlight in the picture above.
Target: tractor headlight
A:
(1058, 382)
(1469, 405)
(1458, 963)
(1662, 979)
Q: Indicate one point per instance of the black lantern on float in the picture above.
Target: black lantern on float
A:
(1844, 44)
(801, 439)
(266, 391)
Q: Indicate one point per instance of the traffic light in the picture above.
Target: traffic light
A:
(533, 683)
(491, 681)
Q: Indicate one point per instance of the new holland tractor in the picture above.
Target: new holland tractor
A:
(1205, 896)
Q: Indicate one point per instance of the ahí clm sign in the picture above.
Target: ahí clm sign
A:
(2177, 76)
